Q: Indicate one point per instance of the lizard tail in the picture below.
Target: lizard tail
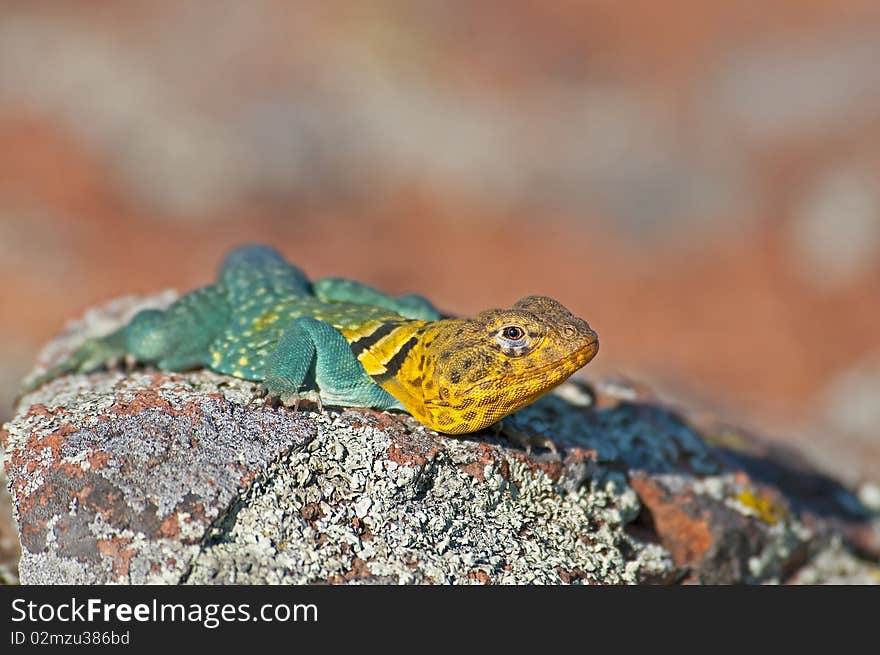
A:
(90, 356)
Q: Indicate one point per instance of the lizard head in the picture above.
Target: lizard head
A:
(469, 373)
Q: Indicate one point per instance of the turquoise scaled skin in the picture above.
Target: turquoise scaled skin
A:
(263, 320)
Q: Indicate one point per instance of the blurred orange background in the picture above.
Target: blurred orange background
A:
(699, 180)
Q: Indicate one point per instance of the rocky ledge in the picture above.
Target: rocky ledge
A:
(148, 477)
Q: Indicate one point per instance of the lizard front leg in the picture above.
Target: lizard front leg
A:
(312, 356)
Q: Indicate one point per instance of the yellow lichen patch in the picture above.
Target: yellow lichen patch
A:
(764, 507)
(731, 440)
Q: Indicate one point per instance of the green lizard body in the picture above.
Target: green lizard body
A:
(347, 344)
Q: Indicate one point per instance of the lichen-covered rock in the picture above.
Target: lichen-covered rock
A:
(151, 477)
(10, 550)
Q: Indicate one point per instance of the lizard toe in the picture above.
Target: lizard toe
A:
(255, 399)
(290, 400)
(523, 438)
(307, 398)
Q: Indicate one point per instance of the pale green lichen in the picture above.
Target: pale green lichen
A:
(429, 523)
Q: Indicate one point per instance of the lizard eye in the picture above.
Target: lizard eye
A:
(512, 339)
(515, 341)
(513, 333)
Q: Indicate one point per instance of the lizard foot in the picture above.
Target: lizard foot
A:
(522, 438)
(258, 398)
(273, 395)
(309, 398)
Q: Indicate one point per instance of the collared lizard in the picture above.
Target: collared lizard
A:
(344, 343)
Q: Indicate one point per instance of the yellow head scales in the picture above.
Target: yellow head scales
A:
(461, 375)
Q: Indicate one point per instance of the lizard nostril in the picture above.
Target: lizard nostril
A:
(569, 332)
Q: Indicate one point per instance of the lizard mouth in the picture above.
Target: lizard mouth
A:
(580, 357)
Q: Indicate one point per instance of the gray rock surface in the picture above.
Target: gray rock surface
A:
(150, 477)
